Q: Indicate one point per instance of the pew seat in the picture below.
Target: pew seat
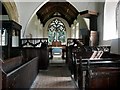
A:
(12, 63)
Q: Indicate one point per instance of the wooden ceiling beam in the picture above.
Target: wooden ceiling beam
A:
(66, 10)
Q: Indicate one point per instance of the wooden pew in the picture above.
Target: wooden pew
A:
(12, 63)
(97, 74)
(75, 53)
(33, 53)
(79, 55)
(107, 63)
(20, 77)
(70, 58)
(109, 72)
(43, 57)
(36, 47)
(71, 46)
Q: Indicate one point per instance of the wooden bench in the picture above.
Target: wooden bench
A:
(75, 53)
(90, 71)
(21, 76)
(94, 74)
(9, 64)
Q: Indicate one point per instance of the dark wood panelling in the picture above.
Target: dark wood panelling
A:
(12, 63)
(65, 10)
(21, 77)
(36, 47)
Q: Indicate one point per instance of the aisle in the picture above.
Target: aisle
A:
(57, 76)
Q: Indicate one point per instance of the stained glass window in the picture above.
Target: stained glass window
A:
(56, 31)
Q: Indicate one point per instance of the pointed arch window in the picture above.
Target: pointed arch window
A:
(56, 31)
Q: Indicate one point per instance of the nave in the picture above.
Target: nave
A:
(57, 76)
(92, 62)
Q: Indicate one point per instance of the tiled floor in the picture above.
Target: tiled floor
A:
(57, 76)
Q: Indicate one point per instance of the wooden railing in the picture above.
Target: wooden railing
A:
(33, 42)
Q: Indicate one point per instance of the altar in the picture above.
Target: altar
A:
(57, 49)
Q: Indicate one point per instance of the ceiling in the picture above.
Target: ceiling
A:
(57, 9)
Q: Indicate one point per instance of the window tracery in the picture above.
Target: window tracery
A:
(56, 31)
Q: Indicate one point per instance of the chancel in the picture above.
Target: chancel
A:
(59, 44)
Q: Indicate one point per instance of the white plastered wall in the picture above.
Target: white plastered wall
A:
(35, 28)
(108, 32)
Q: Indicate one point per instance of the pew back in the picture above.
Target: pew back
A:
(94, 74)
(21, 77)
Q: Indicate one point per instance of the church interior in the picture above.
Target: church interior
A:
(60, 44)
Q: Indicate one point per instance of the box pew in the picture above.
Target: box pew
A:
(72, 45)
(73, 54)
(36, 47)
(94, 74)
(79, 55)
(42, 54)
(18, 75)
(69, 58)
(9, 64)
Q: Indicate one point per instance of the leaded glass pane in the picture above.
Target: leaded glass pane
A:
(56, 31)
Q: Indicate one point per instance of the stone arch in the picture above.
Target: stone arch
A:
(11, 9)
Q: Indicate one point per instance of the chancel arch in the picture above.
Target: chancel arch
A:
(38, 23)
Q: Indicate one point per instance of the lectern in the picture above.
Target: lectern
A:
(9, 38)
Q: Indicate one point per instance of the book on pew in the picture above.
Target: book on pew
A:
(94, 55)
(99, 54)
